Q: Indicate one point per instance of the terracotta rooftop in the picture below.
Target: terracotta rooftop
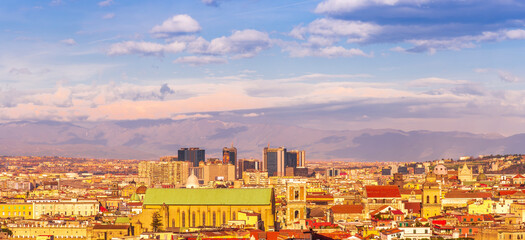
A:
(414, 206)
(383, 192)
(460, 194)
(347, 209)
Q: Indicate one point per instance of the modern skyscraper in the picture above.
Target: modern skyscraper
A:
(296, 158)
(229, 155)
(193, 155)
(274, 161)
(244, 165)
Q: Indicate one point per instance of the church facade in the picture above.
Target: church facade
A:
(192, 208)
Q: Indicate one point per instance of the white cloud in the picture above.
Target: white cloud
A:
(515, 34)
(508, 77)
(210, 2)
(428, 82)
(190, 116)
(105, 3)
(200, 60)
(467, 41)
(241, 44)
(69, 41)
(108, 16)
(145, 48)
(176, 25)
(305, 50)
(345, 6)
(252, 114)
(353, 31)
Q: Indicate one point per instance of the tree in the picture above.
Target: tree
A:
(156, 222)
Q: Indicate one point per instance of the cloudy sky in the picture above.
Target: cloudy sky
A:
(442, 65)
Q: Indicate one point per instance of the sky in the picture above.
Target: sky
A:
(443, 65)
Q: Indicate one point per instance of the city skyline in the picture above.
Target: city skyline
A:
(327, 64)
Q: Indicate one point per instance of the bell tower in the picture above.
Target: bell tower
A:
(295, 202)
(431, 197)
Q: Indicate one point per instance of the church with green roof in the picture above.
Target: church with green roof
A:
(205, 207)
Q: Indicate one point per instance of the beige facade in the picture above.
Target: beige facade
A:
(23, 232)
(67, 208)
(255, 177)
(217, 171)
(164, 172)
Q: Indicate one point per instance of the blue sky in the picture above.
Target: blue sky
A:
(328, 64)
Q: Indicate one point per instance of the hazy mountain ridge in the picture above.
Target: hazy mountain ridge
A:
(150, 139)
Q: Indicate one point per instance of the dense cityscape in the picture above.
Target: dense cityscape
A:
(262, 120)
(280, 196)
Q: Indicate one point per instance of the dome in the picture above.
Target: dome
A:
(134, 198)
(440, 169)
(192, 181)
(481, 177)
(141, 190)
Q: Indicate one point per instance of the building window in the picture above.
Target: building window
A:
(214, 219)
(428, 199)
(223, 217)
(183, 219)
(193, 219)
(203, 218)
(435, 199)
(296, 214)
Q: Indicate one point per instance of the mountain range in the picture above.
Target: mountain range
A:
(151, 139)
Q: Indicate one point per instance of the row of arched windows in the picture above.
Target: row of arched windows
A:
(435, 199)
(193, 219)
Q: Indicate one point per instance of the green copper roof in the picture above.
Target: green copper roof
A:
(122, 220)
(208, 196)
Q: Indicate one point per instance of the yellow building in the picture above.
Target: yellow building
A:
(10, 210)
(196, 207)
(111, 231)
(73, 230)
(30, 232)
(431, 197)
(250, 219)
(128, 190)
(483, 207)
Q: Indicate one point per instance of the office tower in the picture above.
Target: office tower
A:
(386, 171)
(172, 172)
(403, 170)
(193, 155)
(274, 161)
(244, 165)
(295, 158)
(229, 155)
(332, 172)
